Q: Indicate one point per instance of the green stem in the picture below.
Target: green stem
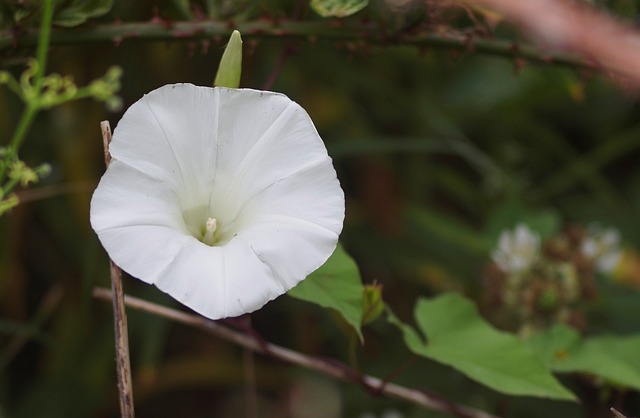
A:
(13, 85)
(43, 44)
(33, 105)
(24, 124)
(8, 187)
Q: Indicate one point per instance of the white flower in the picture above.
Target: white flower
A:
(602, 246)
(222, 198)
(517, 250)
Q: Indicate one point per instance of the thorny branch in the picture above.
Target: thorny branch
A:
(351, 34)
(329, 367)
(573, 27)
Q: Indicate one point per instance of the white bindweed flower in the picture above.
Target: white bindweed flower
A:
(222, 198)
(517, 250)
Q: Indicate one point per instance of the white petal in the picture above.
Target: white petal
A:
(144, 251)
(126, 197)
(279, 140)
(218, 282)
(292, 248)
(316, 192)
(170, 134)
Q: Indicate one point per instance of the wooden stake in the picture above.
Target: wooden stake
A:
(123, 362)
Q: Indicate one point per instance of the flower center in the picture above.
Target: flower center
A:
(210, 225)
(209, 232)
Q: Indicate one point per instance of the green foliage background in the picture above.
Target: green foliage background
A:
(437, 154)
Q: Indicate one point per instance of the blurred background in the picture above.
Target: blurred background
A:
(438, 151)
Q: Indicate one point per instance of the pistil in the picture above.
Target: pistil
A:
(209, 233)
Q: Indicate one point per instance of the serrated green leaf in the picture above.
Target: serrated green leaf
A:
(614, 358)
(338, 8)
(335, 285)
(459, 337)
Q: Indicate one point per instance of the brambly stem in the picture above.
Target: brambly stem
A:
(308, 31)
(123, 362)
(330, 368)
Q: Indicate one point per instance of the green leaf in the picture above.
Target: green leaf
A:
(459, 337)
(614, 358)
(335, 285)
(338, 8)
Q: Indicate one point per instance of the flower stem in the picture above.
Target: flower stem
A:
(123, 362)
(24, 124)
(43, 44)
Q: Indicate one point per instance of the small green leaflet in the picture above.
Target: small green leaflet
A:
(338, 8)
(614, 358)
(336, 285)
(459, 337)
(76, 12)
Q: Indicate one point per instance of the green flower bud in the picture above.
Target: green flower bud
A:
(231, 63)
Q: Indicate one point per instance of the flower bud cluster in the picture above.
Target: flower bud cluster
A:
(55, 89)
(42, 92)
(18, 172)
(531, 285)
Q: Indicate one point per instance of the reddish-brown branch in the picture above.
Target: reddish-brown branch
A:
(331, 368)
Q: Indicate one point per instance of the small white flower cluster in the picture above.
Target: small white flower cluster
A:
(517, 249)
(537, 284)
(602, 245)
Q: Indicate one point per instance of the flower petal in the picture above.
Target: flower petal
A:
(219, 282)
(127, 197)
(279, 141)
(318, 197)
(170, 134)
(292, 248)
(144, 251)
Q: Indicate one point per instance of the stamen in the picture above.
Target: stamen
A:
(209, 234)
